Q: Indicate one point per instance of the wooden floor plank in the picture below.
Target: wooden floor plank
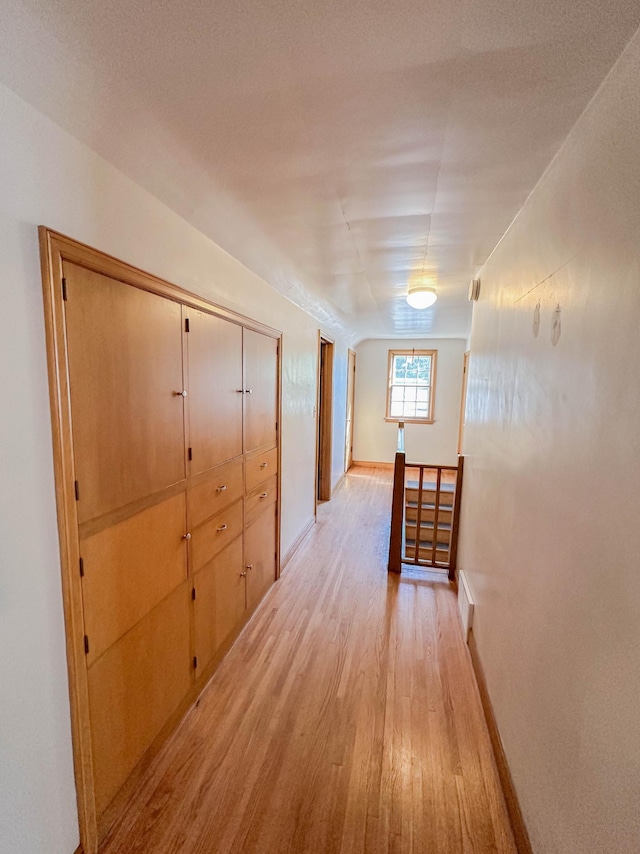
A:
(344, 720)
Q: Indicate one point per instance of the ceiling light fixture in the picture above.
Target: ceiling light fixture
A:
(421, 296)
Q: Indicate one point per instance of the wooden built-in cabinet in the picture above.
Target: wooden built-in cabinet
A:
(165, 412)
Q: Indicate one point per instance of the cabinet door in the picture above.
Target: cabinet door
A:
(215, 390)
(130, 568)
(219, 603)
(134, 688)
(260, 555)
(125, 371)
(261, 389)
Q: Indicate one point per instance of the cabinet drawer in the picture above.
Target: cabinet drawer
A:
(211, 537)
(259, 468)
(222, 487)
(264, 496)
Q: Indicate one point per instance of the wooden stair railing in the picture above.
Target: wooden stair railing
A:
(425, 514)
(397, 506)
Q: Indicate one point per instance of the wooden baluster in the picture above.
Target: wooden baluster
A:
(416, 558)
(434, 541)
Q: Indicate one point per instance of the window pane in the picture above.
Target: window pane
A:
(399, 368)
(424, 371)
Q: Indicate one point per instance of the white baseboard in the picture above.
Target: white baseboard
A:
(465, 604)
(293, 548)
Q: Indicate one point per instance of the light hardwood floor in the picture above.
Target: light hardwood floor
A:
(345, 718)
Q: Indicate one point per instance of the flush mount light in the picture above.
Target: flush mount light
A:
(421, 296)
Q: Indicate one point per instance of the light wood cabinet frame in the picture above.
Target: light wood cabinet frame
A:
(55, 249)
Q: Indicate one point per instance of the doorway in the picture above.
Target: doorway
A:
(351, 389)
(325, 418)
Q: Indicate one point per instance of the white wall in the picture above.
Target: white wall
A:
(550, 537)
(49, 178)
(340, 366)
(375, 439)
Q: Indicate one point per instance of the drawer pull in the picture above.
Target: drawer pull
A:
(186, 536)
(249, 566)
(248, 391)
(263, 495)
(243, 575)
(222, 488)
(182, 393)
(222, 528)
(263, 465)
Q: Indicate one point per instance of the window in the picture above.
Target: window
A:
(412, 377)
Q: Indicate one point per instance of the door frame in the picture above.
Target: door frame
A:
(56, 248)
(463, 400)
(324, 419)
(351, 399)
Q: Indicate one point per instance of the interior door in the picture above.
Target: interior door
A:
(215, 390)
(325, 420)
(260, 390)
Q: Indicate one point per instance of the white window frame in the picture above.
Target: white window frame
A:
(433, 354)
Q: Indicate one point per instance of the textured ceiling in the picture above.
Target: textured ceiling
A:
(339, 149)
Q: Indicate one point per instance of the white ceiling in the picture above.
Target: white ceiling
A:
(339, 149)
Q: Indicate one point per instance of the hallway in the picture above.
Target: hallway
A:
(344, 719)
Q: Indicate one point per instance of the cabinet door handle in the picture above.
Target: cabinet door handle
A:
(182, 393)
(249, 566)
(243, 575)
(263, 465)
(186, 536)
(248, 391)
(222, 528)
(263, 495)
(240, 390)
(222, 488)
